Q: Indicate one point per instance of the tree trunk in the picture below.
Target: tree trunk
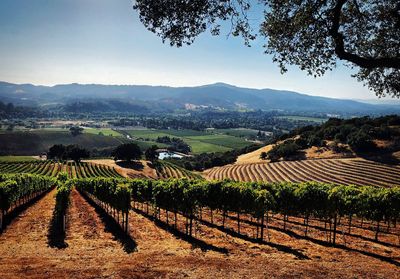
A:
(186, 224)
(176, 219)
(377, 231)
(262, 228)
(266, 225)
(306, 223)
(127, 223)
(238, 222)
(1, 220)
(284, 222)
(223, 218)
(212, 217)
(167, 217)
(191, 224)
(258, 227)
(334, 229)
(350, 216)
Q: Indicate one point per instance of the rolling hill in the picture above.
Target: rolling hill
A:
(94, 97)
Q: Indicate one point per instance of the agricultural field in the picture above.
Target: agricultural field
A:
(303, 118)
(36, 142)
(199, 141)
(338, 171)
(238, 132)
(16, 158)
(102, 131)
(162, 233)
(166, 170)
(51, 168)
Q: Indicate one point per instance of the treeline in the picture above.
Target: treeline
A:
(258, 120)
(8, 111)
(175, 144)
(325, 202)
(65, 152)
(358, 133)
(209, 160)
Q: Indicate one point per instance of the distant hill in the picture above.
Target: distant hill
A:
(94, 97)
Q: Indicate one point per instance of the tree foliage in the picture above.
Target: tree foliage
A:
(151, 153)
(310, 34)
(127, 152)
(62, 152)
(76, 130)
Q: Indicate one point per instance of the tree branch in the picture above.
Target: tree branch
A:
(363, 62)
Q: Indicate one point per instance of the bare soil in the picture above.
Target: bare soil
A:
(94, 249)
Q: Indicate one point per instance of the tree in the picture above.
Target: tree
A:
(263, 155)
(360, 141)
(77, 153)
(310, 34)
(62, 152)
(151, 153)
(127, 152)
(76, 130)
(57, 151)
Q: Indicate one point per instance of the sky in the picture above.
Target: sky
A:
(48, 42)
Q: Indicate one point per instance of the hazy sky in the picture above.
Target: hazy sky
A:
(102, 41)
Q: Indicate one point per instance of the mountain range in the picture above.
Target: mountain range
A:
(93, 97)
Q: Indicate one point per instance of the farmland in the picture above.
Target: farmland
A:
(303, 118)
(339, 171)
(16, 158)
(199, 141)
(50, 168)
(102, 131)
(38, 141)
(158, 236)
(34, 142)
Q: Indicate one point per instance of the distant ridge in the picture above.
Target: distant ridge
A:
(218, 96)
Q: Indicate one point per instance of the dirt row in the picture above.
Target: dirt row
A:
(94, 249)
(340, 171)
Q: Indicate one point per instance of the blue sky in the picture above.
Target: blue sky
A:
(102, 41)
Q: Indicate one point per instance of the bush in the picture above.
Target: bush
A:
(360, 141)
(283, 150)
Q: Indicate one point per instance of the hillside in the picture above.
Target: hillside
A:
(134, 98)
(36, 142)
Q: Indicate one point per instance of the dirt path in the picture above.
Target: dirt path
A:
(22, 243)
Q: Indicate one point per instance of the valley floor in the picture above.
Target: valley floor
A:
(94, 249)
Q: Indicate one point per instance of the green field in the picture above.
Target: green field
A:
(199, 141)
(17, 158)
(303, 118)
(37, 141)
(105, 132)
(204, 147)
(239, 132)
(147, 134)
(185, 133)
(222, 140)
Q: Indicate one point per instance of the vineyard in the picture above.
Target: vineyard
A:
(338, 171)
(146, 216)
(51, 168)
(166, 170)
